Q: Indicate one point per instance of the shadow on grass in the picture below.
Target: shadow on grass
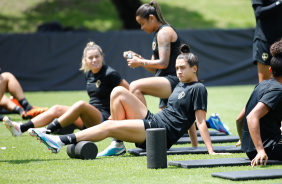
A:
(95, 15)
(29, 161)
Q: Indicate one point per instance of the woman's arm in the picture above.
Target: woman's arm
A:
(253, 118)
(202, 126)
(193, 135)
(124, 83)
(165, 36)
(239, 124)
(261, 11)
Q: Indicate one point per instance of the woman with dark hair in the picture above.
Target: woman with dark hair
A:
(131, 118)
(268, 15)
(165, 49)
(259, 123)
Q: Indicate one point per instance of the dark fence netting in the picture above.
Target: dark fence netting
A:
(51, 61)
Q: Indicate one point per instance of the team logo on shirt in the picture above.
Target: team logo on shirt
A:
(98, 83)
(181, 95)
(154, 45)
(264, 56)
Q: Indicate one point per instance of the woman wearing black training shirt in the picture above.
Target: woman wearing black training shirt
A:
(100, 78)
(268, 15)
(259, 123)
(131, 118)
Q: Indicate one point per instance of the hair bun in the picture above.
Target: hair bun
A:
(276, 49)
(184, 48)
(90, 44)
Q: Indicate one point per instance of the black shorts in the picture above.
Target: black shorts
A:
(173, 80)
(274, 152)
(261, 52)
(150, 123)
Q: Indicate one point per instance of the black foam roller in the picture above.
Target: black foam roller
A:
(70, 150)
(86, 150)
(156, 148)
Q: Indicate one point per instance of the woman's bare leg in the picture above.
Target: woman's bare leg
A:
(154, 86)
(263, 72)
(126, 130)
(89, 115)
(13, 85)
(125, 105)
(6, 103)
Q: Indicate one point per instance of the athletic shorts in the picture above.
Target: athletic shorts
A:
(173, 80)
(274, 152)
(261, 52)
(150, 123)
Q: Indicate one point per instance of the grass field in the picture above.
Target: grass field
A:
(100, 15)
(24, 160)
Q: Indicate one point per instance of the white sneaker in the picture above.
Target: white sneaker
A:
(115, 148)
(52, 142)
(13, 127)
(43, 130)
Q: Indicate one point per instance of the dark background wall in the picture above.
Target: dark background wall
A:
(50, 61)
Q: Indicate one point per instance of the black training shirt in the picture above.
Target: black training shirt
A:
(268, 15)
(268, 92)
(179, 114)
(174, 52)
(100, 86)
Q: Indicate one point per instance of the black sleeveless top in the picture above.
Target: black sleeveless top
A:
(174, 52)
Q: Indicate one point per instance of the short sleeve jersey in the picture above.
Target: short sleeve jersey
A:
(100, 86)
(268, 92)
(174, 52)
(269, 22)
(179, 114)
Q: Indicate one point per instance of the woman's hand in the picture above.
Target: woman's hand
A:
(259, 158)
(238, 143)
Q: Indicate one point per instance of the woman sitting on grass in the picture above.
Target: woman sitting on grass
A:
(101, 79)
(131, 118)
(259, 122)
(19, 104)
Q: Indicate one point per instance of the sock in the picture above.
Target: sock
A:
(18, 110)
(54, 125)
(68, 139)
(24, 103)
(26, 126)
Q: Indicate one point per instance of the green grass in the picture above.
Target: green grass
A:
(26, 161)
(100, 15)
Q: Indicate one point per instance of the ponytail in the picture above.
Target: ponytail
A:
(151, 9)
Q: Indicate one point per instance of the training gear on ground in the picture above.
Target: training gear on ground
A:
(13, 127)
(82, 150)
(215, 123)
(52, 142)
(115, 149)
(43, 130)
(33, 112)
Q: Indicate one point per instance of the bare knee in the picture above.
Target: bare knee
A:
(80, 104)
(7, 75)
(134, 87)
(108, 128)
(118, 92)
(57, 110)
